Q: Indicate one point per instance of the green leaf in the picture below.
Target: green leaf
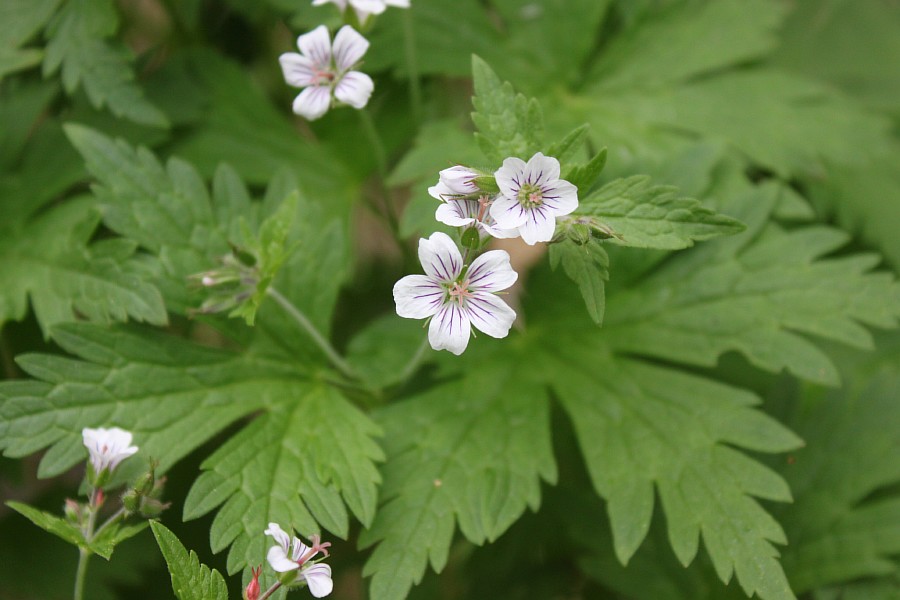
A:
(584, 176)
(297, 465)
(191, 580)
(565, 149)
(112, 536)
(77, 44)
(50, 261)
(472, 452)
(588, 266)
(643, 215)
(752, 293)
(20, 20)
(509, 124)
(687, 39)
(124, 378)
(843, 525)
(50, 523)
(651, 427)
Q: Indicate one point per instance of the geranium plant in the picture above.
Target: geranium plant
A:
(545, 299)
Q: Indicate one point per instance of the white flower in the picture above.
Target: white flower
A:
(464, 204)
(364, 8)
(455, 298)
(107, 447)
(532, 196)
(325, 71)
(291, 554)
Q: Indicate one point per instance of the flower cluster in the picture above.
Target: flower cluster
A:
(521, 199)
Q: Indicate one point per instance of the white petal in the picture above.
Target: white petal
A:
(508, 213)
(317, 46)
(366, 7)
(538, 227)
(313, 102)
(397, 3)
(281, 537)
(501, 234)
(541, 169)
(318, 578)
(459, 179)
(489, 314)
(491, 272)
(450, 329)
(298, 70)
(298, 549)
(440, 257)
(561, 197)
(440, 191)
(510, 176)
(418, 297)
(454, 213)
(279, 561)
(341, 3)
(354, 89)
(349, 47)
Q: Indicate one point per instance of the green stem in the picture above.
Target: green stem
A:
(393, 220)
(112, 519)
(317, 337)
(414, 362)
(412, 66)
(83, 556)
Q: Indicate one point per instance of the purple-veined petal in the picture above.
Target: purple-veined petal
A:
(489, 314)
(354, 89)
(541, 169)
(440, 191)
(501, 234)
(298, 549)
(491, 272)
(298, 70)
(561, 197)
(279, 561)
(349, 47)
(313, 102)
(538, 227)
(418, 297)
(440, 257)
(455, 213)
(450, 329)
(459, 180)
(318, 578)
(364, 8)
(279, 535)
(317, 46)
(510, 177)
(508, 213)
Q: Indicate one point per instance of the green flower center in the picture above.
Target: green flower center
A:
(530, 196)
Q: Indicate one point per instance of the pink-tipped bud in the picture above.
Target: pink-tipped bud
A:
(72, 510)
(99, 498)
(252, 591)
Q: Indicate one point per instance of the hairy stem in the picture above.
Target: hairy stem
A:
(271, 590)
(112, 519)
(83, 556)
(310, 329)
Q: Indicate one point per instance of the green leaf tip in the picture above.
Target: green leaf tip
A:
(191, 580)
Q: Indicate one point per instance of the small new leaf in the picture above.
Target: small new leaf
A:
(509, 124)
(588, 266)
(191, 580)
(50, 523)
(584, 176)
(565, 149)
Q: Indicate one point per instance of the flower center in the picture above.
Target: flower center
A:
(530, 196)
(459, 292)
(322, 76)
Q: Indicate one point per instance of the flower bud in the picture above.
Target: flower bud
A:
(72, 511)
(131, 500)
(487, 183)
(580, 233)
(151, 507)
(252, 591)
(144, 483)
(471, 239)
